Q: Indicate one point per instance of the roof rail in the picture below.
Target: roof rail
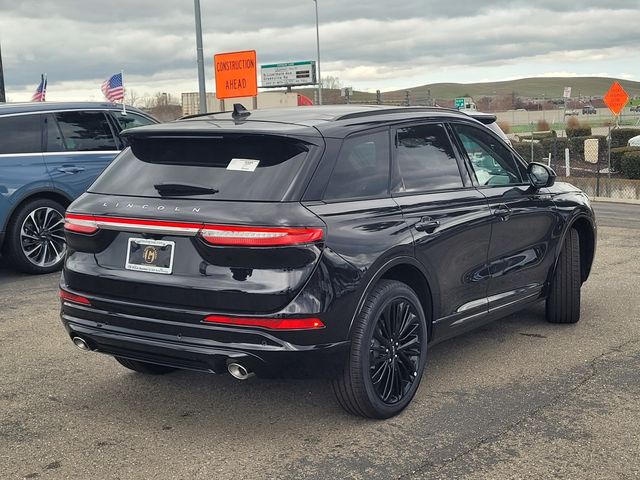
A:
(385, 111)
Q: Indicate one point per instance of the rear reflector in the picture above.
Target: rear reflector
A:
(270, 323)
(259, 236)
(73, 298)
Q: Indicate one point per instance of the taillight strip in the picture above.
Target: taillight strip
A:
(74, 222)
(223, 235)
(259, 236)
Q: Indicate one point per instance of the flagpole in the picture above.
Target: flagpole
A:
(124, 108)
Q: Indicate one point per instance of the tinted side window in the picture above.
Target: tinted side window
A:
(85, 131)
(425, 159)
(492, 162)
(20, 134)
(54, 140)
(362, 168)
(130, 120)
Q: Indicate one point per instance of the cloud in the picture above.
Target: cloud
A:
(365, 43)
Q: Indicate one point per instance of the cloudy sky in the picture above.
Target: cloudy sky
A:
(369, 45)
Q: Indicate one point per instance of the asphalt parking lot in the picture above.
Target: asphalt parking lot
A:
(519, 398)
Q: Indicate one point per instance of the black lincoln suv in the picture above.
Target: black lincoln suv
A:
(340, 241)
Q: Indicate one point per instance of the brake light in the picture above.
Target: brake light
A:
(80, 223)
(259, 236)
(270, 323)
(73, 298)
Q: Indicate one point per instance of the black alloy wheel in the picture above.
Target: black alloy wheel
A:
(388, 353)
(396, 347)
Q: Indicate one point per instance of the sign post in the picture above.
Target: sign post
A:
(236, 74)
(616, 98)
(566, 95)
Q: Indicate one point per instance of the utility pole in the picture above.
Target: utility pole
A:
(318, 51)
(201, 86)
(3, 98)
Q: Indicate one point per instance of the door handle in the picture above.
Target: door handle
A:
(503, 212)
(427, 224)
(71, 169)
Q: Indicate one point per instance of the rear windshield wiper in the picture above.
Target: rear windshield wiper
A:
(180, 189)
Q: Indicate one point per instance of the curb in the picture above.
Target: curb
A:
(628, 201)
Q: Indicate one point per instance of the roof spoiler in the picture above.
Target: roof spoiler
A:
(484, 118)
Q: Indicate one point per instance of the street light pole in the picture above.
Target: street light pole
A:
(201, 86)
(3, 98)
(318, 51)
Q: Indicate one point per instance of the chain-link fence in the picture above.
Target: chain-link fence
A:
(601, 165)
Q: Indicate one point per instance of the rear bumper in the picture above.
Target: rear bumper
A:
(198, 347)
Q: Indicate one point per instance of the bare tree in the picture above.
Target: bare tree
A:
(132, 98)
(331, 82)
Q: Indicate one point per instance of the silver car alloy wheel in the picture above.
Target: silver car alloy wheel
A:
(42, 237)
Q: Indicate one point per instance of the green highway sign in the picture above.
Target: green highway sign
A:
(459, 103)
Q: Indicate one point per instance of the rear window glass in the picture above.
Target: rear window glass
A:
(243, 167)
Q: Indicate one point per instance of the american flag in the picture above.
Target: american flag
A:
(113, 88)
(41, 91)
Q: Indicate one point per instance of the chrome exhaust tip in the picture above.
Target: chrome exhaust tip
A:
(239, 371)
(81, 344)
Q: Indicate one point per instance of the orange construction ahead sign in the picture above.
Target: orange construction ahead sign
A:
(616, 98)
(236, 74)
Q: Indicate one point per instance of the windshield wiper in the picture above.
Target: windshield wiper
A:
(180, 189)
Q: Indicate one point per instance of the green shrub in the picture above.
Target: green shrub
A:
(620, 136)
(630, 165)
(576, 146)
(524, 150)
(555, 146)
(616, 156)
(580, 131)
(542, 126)
(505, 126)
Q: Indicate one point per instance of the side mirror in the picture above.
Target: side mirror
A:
(540, 175)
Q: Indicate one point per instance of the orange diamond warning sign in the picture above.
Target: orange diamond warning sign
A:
(616, 98)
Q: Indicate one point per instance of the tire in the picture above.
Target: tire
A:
(35, 240)
(355, 387)
(563, 301)
(144, 367)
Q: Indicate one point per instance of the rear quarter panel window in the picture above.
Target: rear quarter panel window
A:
(362, 168)
(20, 134)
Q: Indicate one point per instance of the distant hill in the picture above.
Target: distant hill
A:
(550, 87)
(537, 87)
